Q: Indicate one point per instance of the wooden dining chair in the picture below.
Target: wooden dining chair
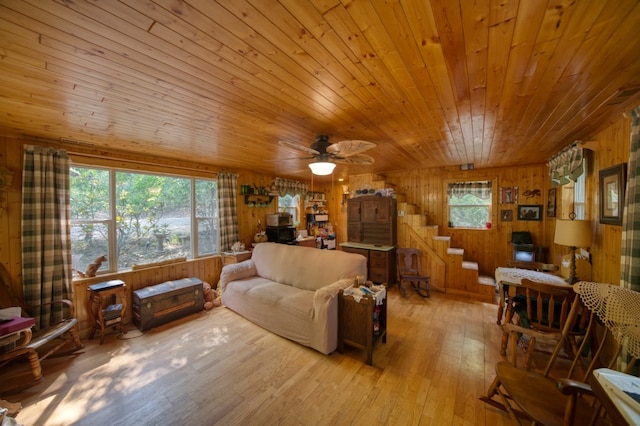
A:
(541, 312)
(543, 397)
(410, 273)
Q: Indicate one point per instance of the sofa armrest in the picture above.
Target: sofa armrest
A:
(236, 271)
(326, 294)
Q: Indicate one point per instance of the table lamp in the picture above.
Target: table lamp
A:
(573, 233)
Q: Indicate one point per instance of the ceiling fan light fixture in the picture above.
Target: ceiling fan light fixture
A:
(322, 168)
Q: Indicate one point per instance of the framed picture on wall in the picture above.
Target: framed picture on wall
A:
(506, 215)
(509, 195)
(612, 183)
(551, 203)
(530, 212)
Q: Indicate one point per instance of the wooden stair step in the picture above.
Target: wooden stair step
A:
(486, 280)
(455, 251)
(466, 264)
(488, 288)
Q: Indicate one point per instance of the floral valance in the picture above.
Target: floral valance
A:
(479, 189)
(566, 166)
(289, 187)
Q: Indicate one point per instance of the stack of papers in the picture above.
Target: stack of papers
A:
(624, 391)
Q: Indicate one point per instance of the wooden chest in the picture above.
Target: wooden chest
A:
(166, 302)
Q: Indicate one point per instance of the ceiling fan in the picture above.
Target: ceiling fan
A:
(326, 154)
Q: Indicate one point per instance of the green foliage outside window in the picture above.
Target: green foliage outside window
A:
(471, 207)
(138, 218)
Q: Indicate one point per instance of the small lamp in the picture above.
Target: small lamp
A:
(573, 233)
(322, 168)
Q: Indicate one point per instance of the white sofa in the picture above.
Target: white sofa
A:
(292, 291)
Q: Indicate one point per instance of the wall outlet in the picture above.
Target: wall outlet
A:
(400, 212)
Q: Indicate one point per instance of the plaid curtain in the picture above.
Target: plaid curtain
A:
(479, 189)
(566, 166)
(227, 209)
(46, 242)
(290, 187)
(630, 258)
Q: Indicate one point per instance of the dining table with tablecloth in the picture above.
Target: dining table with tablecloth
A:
(508, 278)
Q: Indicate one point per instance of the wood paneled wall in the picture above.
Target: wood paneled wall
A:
(208, 269)
(425, 187)
(611, 147)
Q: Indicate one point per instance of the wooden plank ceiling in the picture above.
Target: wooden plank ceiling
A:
(431, 82)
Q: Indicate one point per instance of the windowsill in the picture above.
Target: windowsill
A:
(106, 276)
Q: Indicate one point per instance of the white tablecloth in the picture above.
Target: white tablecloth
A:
(514, 276)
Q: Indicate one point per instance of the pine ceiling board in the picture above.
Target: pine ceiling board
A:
(598, 70)
(347, 30)
(451, 72)
(343, 65)
(345, 104)
(205, 71)
(476, 37)
(514, 101)
(86, 47)
(585, 97)
(417, 80)
(295, 68)
(237, 82)
(554, 42)
(422, 22)
(552, 87)
(420, 19)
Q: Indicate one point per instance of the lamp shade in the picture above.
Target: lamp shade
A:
(573, 233)
(322, 168)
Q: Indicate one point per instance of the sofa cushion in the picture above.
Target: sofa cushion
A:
(305, 268)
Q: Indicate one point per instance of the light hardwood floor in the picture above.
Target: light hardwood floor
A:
(218, 368)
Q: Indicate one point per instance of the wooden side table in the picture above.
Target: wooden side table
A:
(235, 257)
(356, 323)
(107, 304)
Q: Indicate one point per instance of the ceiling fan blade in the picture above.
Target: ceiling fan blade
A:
(302, 148)
(350, 147)
(275, 160)
(355, 159)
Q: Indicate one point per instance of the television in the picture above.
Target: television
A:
(524, 255)
(523, 248)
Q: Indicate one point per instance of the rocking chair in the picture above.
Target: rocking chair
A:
(542, 399)
(409, 272)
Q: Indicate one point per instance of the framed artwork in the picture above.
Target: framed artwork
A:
(530, 212)
(506, 215)
(612, 184)
(509, 195)
(551, 203)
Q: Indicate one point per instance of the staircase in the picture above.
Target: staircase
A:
(446, 266)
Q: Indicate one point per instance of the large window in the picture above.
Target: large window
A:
(469, 204)
(138, 218)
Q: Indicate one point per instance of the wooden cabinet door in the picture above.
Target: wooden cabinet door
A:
(353, 210)
(353, 232)
(369, 210)
(383, 210)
